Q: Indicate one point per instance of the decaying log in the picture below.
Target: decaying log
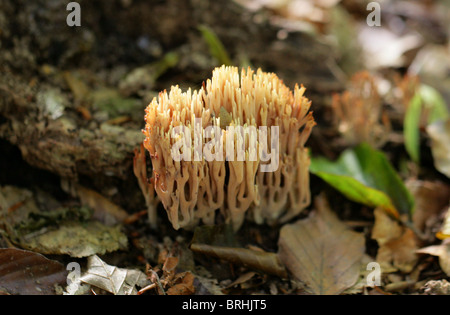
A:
(61, 139)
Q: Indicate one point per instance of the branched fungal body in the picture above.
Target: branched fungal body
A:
(236, 146)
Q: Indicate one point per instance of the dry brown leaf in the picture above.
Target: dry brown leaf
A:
(399, 254)
(364, 274)
(115, 280)
(321, 251)
(430, 198)
(28, 273)
(170, 282)
(442, 251)
(185, 287)
(169, 266)
(397, 244)
(104, 210)
(385, 229)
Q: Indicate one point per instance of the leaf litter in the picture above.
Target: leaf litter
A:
(322, 251)
(397, 244)
(58, 230)
(220, 242)
(117, 281)
(29, 273)
(404, 249)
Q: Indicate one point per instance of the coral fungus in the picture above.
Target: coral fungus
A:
(359, 112)
(263, 171)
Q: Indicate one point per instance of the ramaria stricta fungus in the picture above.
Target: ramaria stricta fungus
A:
(359, 113)
(233, 172)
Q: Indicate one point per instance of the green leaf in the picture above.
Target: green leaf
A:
(216, 47)
(434, 101)
(425, 98)
(365, 175)
(411, 128)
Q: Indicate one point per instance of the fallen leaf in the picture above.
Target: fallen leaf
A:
(364, 273)
(170, 282)
(104, 210)
(385, 229)
(185, 287)
(442, 251)
(112, 279)
(399, 253)
(397, 244)
(430, 197)
(27, 273)
(439, 133)
(169, 266)
(365, 175)
(444, 232)
(321, 251)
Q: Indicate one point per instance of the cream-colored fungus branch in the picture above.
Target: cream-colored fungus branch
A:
(220, 168)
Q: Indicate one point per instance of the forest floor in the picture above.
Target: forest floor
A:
(72, 103)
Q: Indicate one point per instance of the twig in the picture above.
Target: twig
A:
(155, 278)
